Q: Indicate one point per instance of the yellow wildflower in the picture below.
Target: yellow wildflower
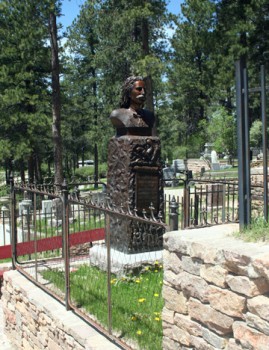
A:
(141, 300)
(137, 280)
(139, 332)
(157, 319)
(133, 318)
(156, 294)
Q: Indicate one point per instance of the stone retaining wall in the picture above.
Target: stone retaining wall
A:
(216, 291)
(35, 320)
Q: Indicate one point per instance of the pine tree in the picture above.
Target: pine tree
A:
(190, 76)
(24, 61)
(109, 41)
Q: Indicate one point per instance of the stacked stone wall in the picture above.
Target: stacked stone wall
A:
(35, 320)
(216, 291)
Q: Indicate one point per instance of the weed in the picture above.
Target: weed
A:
(136, 300)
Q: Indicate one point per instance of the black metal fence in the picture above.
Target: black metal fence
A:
(62, 242)
(210, 203)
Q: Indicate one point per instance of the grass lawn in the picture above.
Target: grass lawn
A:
(136, 301)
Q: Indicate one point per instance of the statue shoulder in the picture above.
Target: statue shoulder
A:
(120, 117)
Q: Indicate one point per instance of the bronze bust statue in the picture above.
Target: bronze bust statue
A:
(131, 118)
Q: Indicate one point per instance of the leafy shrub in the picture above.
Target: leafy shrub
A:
(86, 172)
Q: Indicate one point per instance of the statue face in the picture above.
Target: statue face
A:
(138, 93)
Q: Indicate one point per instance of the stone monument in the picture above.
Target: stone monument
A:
(134, 170)
(215, 165)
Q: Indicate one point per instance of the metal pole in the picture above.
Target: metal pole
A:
(35, 235)
(109, 299)
(247, 149)
(242, 131)
(13, 222)
(264, 143)
(65, 245)
(223, 202)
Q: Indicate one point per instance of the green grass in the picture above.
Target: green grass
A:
(257, 231)
(136, 301)
(44, 227)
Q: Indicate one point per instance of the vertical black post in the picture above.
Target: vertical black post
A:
(243, 144)
(65, 243)
(264, 143)
(109, 295)
(13, 222)
(247, 149)
(173, 214)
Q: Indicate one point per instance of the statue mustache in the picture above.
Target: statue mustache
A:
(141, 97)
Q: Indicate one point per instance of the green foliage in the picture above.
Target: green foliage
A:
(190, 76)
(256, 232)
(136, 300)
(221, 131)
(85, 172)
(24, 80)
(255, 134)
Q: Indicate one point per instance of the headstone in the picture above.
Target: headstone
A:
(179, 165)
(215, 165)
(25, 206)
(46, 207)
(214, 157)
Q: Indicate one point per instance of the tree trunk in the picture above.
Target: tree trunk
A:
(31, 169)
(148, 79)
(56, 103)
(22, 172)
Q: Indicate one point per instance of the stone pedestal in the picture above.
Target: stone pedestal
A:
(135, 177)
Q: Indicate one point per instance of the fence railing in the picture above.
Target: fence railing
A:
(62, 242)
(209, 203)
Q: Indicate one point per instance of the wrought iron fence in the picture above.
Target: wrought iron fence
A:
(62, 242)
(209, 203)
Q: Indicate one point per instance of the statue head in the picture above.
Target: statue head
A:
(126, 90)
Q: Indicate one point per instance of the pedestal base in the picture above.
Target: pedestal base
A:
(122, 263)
(135, 179)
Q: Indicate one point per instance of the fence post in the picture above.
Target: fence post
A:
(65, 243)
(173, 214)
(109, 300)
(223, 202)
(186, 205)
(13, 221)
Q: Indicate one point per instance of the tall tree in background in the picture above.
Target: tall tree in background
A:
(24, 99)
(109, 41)
(56, 100)
(81, 85)
(130, 42)
(190, 75)
(241, 32)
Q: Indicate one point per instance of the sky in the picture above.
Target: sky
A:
(70, 10)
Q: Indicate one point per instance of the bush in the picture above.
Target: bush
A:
(85, 172)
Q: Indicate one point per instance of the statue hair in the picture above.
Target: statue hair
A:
(126, 89)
